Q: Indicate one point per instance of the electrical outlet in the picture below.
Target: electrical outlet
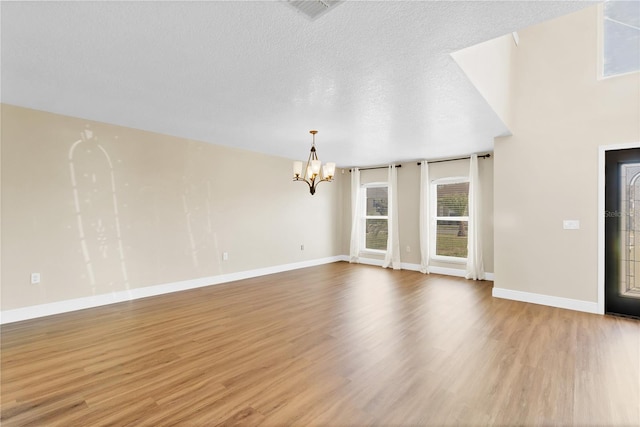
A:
(35, 278)
(408, 248)
(225, 256)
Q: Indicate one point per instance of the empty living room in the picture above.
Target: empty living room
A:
(320, 213)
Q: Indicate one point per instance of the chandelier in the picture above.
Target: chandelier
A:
(312, 175)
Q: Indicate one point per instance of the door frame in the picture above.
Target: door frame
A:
(602, 150)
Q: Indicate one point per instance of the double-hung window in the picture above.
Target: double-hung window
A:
(375, 217)
(450, 219)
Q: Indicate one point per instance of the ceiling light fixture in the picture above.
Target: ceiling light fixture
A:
(312, 174)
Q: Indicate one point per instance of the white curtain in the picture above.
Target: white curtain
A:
(392, 258)
(475, 266)
(424, 217)
(356, 216)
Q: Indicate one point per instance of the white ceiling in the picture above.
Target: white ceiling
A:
(375, 78)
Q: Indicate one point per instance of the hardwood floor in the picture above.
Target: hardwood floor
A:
(337, 344)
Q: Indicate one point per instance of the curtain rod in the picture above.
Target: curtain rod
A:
(459, 158)
(377, 167)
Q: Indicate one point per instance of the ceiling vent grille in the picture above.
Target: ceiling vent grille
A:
(313, 9)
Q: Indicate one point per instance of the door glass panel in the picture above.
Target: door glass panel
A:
(629, 285)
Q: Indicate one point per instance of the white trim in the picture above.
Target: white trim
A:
(35, 311)
(601, 190)
(449, 259)
(409, 266)
(371, 261)
(450, 180)
(365, 217)
(379, 252)
(516, 38)
(42, 310)
(416, 267)
(447, 271)
(456, 272)
(434, 218)
(628, 73)
(549, 300)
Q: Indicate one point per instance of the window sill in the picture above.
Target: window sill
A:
(602, 77)
(372, 252)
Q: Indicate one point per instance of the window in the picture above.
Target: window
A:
(620, 37)
(375, 203)
(450, 218)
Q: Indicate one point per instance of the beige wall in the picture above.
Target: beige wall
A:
(548, 170)
(409, 209)
(150, 209)
(489, 66)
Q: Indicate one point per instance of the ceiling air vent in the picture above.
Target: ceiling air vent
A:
(313, 9)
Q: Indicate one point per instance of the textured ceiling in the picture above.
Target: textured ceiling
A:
(375, 78)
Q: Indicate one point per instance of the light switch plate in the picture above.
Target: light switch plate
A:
(571, 224)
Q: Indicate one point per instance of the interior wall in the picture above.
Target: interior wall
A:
(409, 207)
(97, 208)
(489, 66)
(548, 170)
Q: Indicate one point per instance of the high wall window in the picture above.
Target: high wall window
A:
(450, 220)
(375, 217)
(620, 37)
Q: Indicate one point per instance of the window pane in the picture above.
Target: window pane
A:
(453, 199)
(621, 37)
(377, 201)
(376, 237)
(629, 279)
(451, 238)
(627, 12)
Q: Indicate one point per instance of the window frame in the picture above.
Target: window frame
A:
(365, 217)
(433, 218)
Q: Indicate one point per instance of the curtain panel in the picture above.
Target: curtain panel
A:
(356, 216)
(424, 217)
(392, 257)
(475, 265)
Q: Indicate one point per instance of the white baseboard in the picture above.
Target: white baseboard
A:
(448, 271)
(456, 272)
(35, 311)
(42, 310)
(416, 267)
(560, 302)
(409, 266)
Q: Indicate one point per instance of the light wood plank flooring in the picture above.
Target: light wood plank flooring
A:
(334, 345)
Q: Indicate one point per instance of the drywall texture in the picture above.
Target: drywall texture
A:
(96, 208)
(409, 207)
(548, 170)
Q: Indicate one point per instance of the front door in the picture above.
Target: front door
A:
(622, 232)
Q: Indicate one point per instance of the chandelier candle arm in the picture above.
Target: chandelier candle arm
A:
(315, 172)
